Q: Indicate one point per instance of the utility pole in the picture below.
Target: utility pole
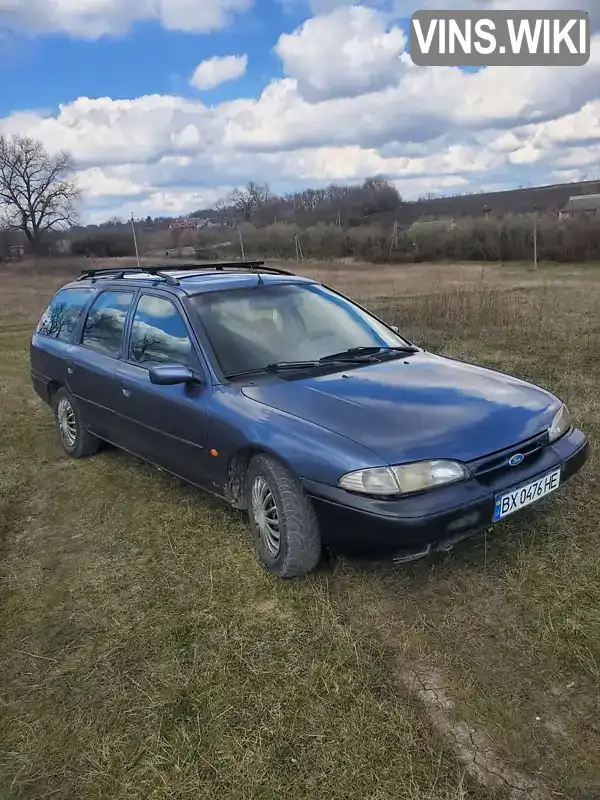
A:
(394, 240)
(487, 211)
(299, 251)
(137, 252)
(241, 243)
(535, 247)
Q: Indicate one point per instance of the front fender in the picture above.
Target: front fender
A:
(237, 423)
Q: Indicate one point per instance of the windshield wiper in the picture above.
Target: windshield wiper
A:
(280, 366)
(355, 354)
(358, 353)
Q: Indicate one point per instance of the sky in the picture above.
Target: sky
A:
(166, 105)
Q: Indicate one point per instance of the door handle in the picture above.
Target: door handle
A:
(126, 392)
(70, 369)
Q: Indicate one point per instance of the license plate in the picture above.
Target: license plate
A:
(510, 502)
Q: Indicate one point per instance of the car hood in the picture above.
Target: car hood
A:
(423, 407)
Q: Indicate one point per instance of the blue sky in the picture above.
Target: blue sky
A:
(303, 92)
(146, 61)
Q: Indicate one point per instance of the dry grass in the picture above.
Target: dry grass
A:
(144, 654)
(514, 619)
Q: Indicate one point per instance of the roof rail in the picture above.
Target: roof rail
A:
(113, 272)
(116, 273)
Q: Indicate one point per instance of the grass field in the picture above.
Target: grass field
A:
(145, 654)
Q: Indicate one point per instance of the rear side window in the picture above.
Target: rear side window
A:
(60, 318)
(158, 333)
(106, 322)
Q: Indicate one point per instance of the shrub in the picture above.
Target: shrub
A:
(103, 246)
(467, 239)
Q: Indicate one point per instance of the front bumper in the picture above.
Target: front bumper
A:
(410, 527)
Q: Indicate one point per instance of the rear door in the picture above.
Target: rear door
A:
(53, 336)
(91, 364)
(164, 424)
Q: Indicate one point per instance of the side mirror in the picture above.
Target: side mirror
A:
(172, 375)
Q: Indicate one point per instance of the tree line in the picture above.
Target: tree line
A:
(39, 195)
(339, 204)
(506, 239)
(478, 239)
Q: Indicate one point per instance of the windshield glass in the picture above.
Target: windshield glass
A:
(253, 327)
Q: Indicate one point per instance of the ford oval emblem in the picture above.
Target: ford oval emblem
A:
(516, 460)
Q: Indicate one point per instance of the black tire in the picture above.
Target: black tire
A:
(77, 442)
(300, 545)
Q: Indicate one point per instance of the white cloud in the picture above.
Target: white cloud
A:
(173, 202)
(408, 7)
(91, 19)
(405, 8)
(422, 105)
(368, 110)
(96, 182)
(344, 53)
(581, 127)
(214, 71)
(105, 131)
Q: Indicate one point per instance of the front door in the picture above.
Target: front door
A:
(164, 424)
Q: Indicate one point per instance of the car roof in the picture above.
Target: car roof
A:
(197, 284)
(190, 280)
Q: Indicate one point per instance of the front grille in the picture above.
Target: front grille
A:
(488, 468)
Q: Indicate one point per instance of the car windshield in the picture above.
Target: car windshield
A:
(251, 328)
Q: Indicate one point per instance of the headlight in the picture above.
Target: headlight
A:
(560, 425)
(404, 479)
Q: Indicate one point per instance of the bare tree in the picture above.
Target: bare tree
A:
(333, 203)
(247, 200)
(38, 192)
(221, 210)
(242, 202)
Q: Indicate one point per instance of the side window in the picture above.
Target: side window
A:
(158, 333)
(61, 316)
(106, 322)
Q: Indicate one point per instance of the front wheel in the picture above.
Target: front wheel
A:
(282, 518)
(77, 442)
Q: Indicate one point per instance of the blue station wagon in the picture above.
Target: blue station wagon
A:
(288, 400)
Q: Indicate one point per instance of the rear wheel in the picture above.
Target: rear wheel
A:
(77, 442)
(282, 518)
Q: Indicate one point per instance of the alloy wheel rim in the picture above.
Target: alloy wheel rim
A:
(67, 423)
(266, 516)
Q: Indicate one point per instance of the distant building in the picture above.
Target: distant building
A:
(63, 246)
(16, 252)
(192, 223)
(581, 205)
(184, 223)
